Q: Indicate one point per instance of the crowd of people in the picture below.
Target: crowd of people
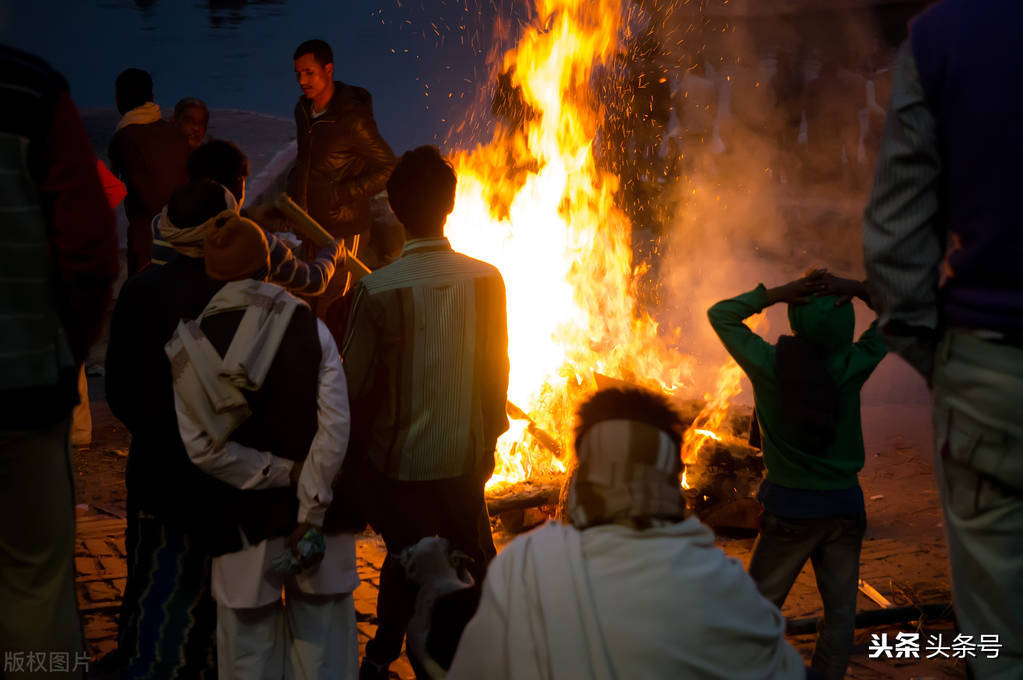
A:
(279, 401)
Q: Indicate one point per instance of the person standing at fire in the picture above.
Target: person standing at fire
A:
(426, 355)
(807, 394)
(262, 407)
(945, 201)
(342, 159)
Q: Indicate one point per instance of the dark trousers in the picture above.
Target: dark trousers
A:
(403, 513)
(38, 607)
(833, 547)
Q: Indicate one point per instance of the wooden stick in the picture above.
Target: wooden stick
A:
(311, 229)
(878, 617)
(533, 498)
(355, 266)
(877, 597)
(304, 223)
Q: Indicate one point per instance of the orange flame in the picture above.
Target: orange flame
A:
(710, 419)
(535, 204)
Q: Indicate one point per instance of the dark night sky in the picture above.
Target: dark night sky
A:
(237, 54)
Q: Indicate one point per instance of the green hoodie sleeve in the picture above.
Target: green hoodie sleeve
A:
(867, 353)
(753, 354)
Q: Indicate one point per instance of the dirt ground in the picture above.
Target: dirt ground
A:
(904, 553)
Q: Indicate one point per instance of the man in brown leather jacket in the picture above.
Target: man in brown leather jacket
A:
(342, 159)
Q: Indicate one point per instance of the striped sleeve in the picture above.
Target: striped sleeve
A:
(903, 242)
(297, 276)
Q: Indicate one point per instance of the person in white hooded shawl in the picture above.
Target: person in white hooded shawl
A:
(631, 588)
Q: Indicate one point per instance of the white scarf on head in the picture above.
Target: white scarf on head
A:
(191, 241)
(141, 115)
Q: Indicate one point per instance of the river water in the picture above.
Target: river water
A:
(424, 61)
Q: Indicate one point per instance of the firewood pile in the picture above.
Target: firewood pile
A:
(722, 483)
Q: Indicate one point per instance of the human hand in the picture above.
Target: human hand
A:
(307, 545)
(799, 291)
(845, 290)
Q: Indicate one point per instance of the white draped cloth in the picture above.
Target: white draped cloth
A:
(244, 579)
(614, 602)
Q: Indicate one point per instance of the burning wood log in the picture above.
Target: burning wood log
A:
(538, 433)
(726, 472)
(523, 495)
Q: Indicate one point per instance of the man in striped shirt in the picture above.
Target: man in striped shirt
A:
(426, 355)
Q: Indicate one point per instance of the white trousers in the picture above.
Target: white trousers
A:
(310, 637)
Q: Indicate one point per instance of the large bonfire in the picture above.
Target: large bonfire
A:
(534, 203)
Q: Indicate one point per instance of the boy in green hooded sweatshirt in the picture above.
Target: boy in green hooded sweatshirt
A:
(807, 395)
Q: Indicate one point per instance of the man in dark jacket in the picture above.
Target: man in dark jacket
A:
(175, 517)
(943, 241)
(150, 155)
(342, 159)
(58, 258)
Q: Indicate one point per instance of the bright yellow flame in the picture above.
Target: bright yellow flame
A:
(534, 204)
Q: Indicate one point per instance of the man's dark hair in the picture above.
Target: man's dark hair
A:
(190, 103)
(134, 87)
(319, 49)
(630, 404)
(220, 161)
(196, 202)
(421, 189)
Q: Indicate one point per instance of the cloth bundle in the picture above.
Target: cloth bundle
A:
(311, 548)
(210, 386)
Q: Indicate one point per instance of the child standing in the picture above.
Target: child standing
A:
(807, 394)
